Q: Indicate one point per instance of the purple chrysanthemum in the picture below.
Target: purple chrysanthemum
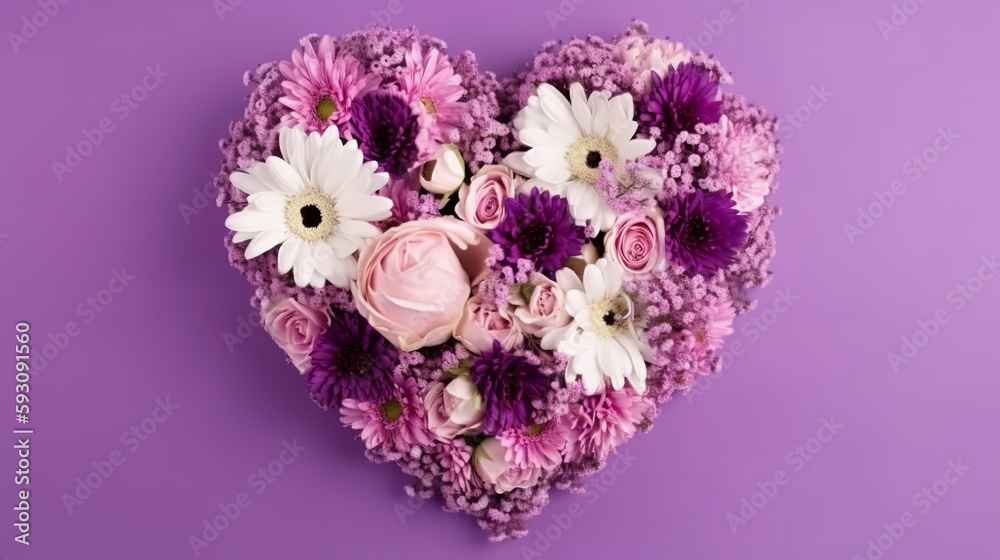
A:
(386, 130)
(685, 97)
(350, 360)
(703, 230)
(509, 384)
(538, 227)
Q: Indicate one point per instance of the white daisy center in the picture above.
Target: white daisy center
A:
(609, 317)
(311, 215)
(586, 154)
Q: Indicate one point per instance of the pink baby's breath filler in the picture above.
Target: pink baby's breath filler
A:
(496, 285)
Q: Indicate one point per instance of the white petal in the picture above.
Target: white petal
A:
(266, 240)
(288, 253)
(251, 220)
(593, 279)
(365, 208)
(304, 268)
(576, 302)
(614, 362)
(358, 228)
(248, 183)
(241, 236)
(286, 175)
(580, 109)
(268, 201)
(636, 148)
(515, 161)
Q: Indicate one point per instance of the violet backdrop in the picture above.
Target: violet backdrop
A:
(859, 100)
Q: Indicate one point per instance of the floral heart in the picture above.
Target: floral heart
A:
(498, 283)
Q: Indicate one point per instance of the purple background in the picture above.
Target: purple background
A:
(823, 356)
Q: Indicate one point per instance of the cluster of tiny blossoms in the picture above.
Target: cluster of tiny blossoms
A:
(497, 284)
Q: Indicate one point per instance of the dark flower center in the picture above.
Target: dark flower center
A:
(697, 229)
(593, 159)
(326, 107)
(354, 361)
(535, 238)
(609, 318)
(311, 216)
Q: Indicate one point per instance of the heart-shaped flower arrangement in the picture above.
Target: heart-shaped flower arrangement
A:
(496, 284)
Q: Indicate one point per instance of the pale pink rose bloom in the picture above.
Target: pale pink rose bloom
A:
(454, 408)
(635, 242)
(481, 202)
(414, 279)
(545, 310)
(481, 324)
(294, 327)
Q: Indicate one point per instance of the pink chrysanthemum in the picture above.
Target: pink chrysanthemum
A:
(456, 458)
(321, 85)
(747, 159)
(539, 445)
(433, 90)
(398, 422)
(602, 422)
(708, 338)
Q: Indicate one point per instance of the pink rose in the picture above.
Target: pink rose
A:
(481, 202)
(636, 242)
(454, 408)
(491, 466)
(294, 327)
(414, 279)
(481, 324)
(544, 311)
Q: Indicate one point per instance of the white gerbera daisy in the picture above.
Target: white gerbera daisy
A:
(317, 203)
(569, 138)
(602, 341)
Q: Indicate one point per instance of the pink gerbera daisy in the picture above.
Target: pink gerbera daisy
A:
(321, 85)
(539, 445)
(701, 341)
(604, 421)
(398, 422)
(433, 90)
